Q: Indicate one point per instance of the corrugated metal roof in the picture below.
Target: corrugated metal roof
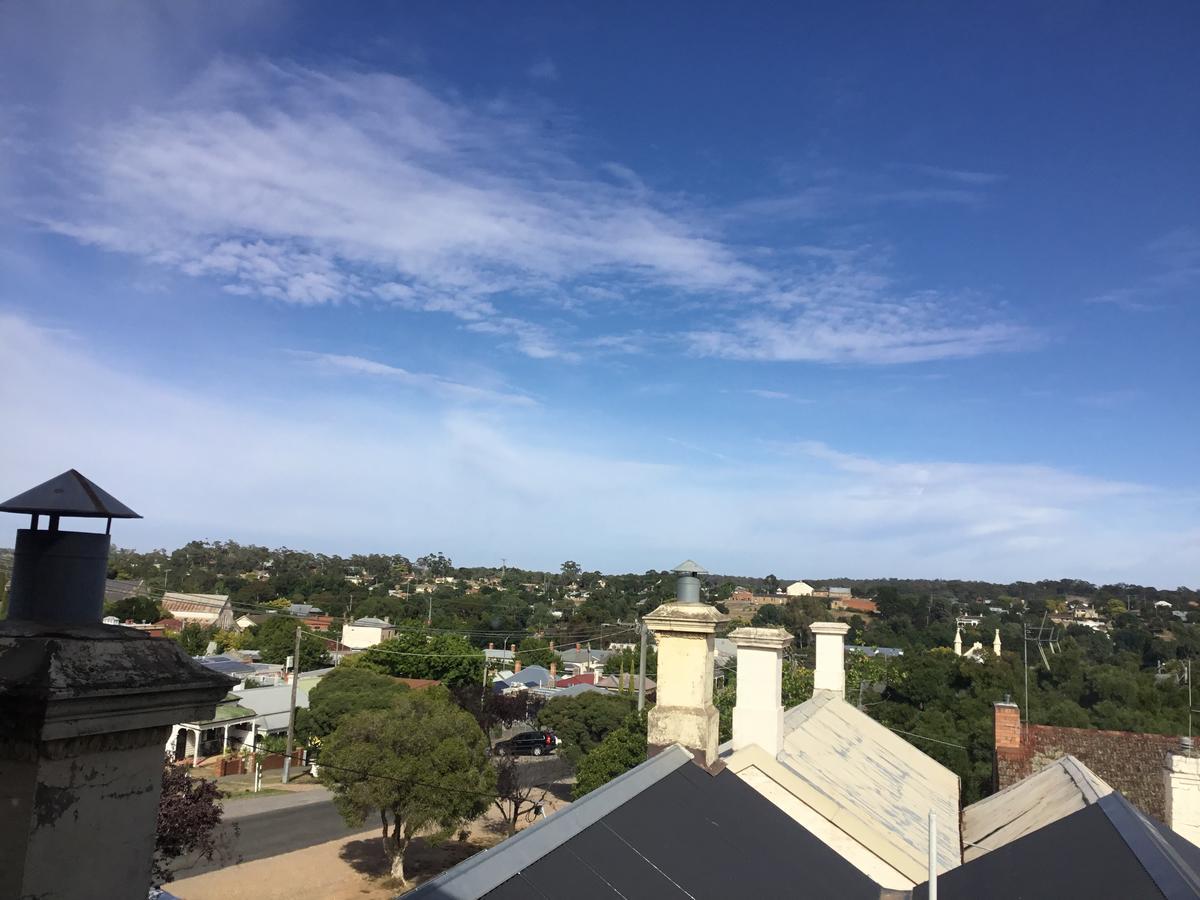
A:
(1063, 787)
(874, 785)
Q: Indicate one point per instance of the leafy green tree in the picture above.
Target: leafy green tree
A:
(420, 764)
(584, 720)
(275, 640)
(343, 692)
(621, 750)
(448, 658)
(570, 571)
(139, 609)
(194, 639)
(630, 660)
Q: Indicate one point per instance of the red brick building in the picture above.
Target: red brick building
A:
(1131, 763)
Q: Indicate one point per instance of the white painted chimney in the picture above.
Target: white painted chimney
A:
(1182, 776)
(830, 675)
(758, 714)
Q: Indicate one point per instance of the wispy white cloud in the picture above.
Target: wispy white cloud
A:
(765, 394)
(341, 476)
(1175, 258)
(845, 309)
(959, 176)
(444, 387)
(311, 187)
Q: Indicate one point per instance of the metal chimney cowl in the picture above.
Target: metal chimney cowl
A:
(58, 576)
(687, 587)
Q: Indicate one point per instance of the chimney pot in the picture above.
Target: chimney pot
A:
(830, 674)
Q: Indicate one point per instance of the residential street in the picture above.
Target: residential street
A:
(276, 824)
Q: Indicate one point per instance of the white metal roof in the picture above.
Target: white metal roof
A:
(872, 783)
(1063, 787)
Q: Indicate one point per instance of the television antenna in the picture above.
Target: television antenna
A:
(1042, 637)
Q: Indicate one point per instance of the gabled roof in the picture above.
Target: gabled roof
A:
(371, 622)
(226, 665)
(530, 675)
(869, 782)
(585, 655)
(174, 601)
(665, 829)
(1106, 849)
(1063, 787)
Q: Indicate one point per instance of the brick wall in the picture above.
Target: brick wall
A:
(1131, 763)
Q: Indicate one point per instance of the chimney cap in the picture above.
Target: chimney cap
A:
(69, 494)
(690, 567)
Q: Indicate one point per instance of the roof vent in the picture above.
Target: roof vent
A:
(58, 576)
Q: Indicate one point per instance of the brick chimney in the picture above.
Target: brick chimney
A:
(516, 659)
(1008, 725)
(685, 632)
(830, 674)
(758, 713)
(578, 647)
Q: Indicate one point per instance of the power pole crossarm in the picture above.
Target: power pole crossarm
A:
(291, 735)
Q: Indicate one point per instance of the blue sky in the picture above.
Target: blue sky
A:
(883, 290)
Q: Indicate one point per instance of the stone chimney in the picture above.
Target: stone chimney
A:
(758, 714)
(685, 632)
(85, 710)
(830, 675)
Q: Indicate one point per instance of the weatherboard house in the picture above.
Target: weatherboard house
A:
(813, 802)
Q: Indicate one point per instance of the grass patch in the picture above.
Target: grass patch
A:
(239, 794)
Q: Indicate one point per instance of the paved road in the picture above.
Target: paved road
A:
(307, 821)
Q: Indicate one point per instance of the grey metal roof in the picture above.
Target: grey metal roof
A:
(226, 665)
(666, 829)
(69, 494)
(1061, 788)
(371, 622)
(1105, 849)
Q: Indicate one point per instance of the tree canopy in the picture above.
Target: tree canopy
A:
(584, 720)
(448, 658)
(189, 812)
(275, 640)
(621, 750)
(344, 691)
(420, 764)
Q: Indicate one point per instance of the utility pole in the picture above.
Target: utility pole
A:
(287, 760)
(642, 669)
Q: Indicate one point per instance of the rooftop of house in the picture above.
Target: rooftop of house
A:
(370, 622)
(871, 783)
(173, 601)
(1063, 787)
(1106, 849)
(584, 655)
(663, 829)
(227, 665)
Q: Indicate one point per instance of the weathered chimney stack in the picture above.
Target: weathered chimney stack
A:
(830, 674)
(685, 629)
(758, 712)
(86, 708)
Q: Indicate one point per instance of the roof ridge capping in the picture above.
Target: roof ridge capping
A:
(487, 870)
(1163, 863)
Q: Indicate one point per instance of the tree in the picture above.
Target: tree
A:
(276, 641)
(620, 751)
(421, 764)
(448, 658)
(344, 691)
(492, 710)
(436, 564)
(570, 571)
(584, 721)
(139, 609)
(189, 811)
(194, 639)
(771, 583)
(630, 661)
(521, 789)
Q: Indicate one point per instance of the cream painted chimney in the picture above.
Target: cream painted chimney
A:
(831, 658)
(684, 713)
(1182, 777)
(758, 714)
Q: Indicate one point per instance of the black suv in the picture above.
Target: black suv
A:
(528, 743)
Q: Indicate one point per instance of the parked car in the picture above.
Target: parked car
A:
(528, 743)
